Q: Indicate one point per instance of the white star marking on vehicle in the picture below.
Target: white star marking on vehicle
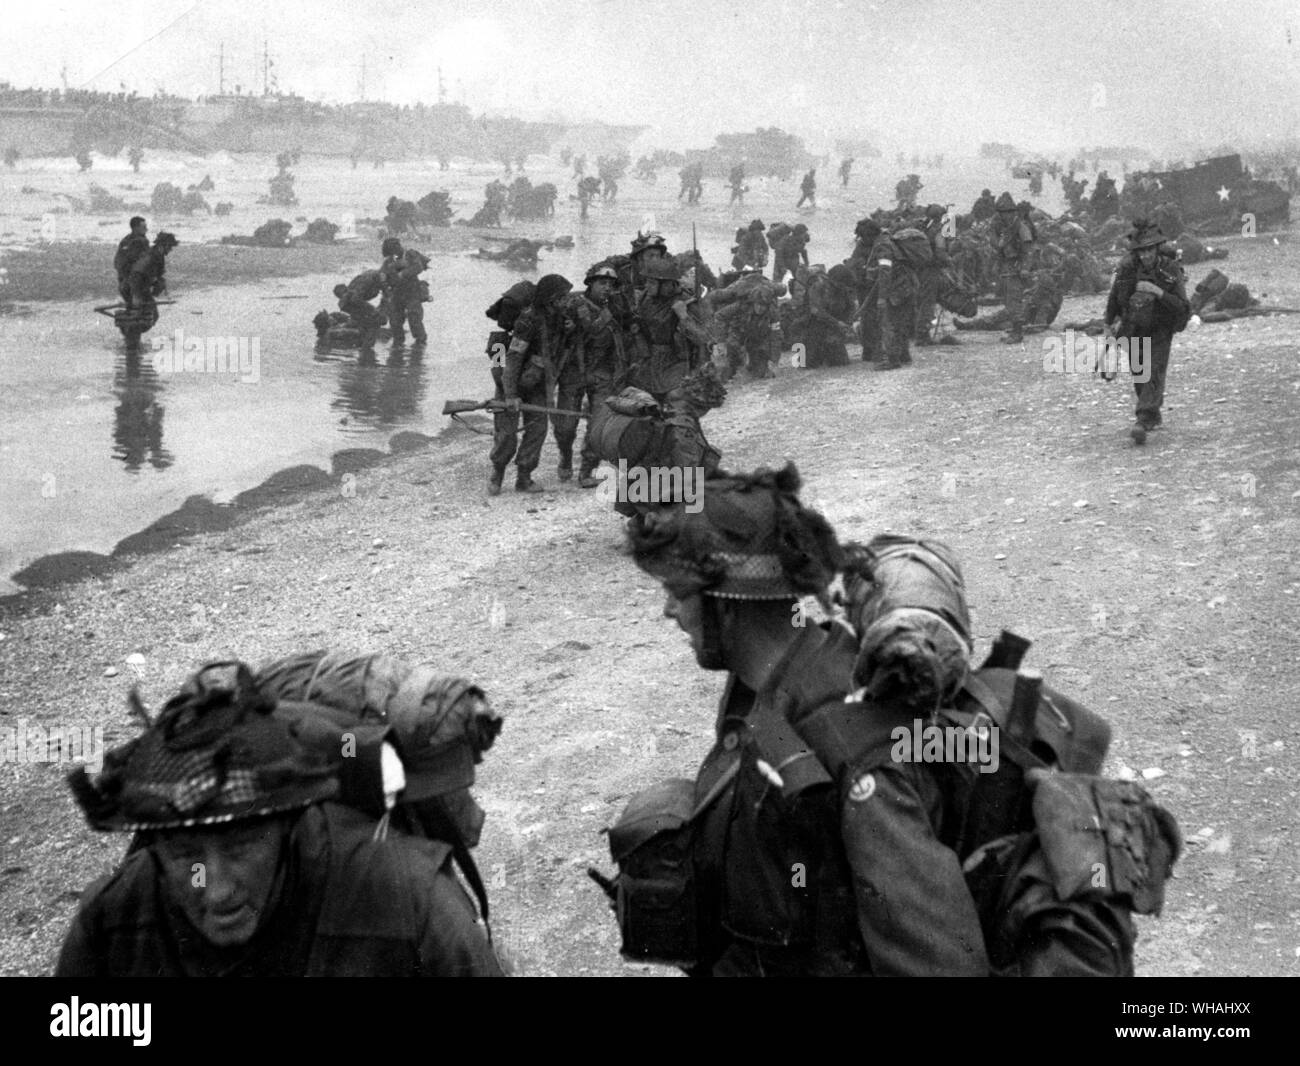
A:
(1223, 192)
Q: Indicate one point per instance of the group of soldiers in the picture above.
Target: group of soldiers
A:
(314, 818)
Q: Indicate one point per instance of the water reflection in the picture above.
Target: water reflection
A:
(138, 418)
(382, 393)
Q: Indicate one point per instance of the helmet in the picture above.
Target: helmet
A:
(214, 754)
(1005, 203)
(165, 240)
(391, 246)
(601, 270)
(751, 540)
(800, 228)
(935, 211)
(1144, 234)
(757, 225)
(650, 240)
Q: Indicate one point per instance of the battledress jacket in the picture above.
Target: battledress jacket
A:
(809, 878)
(349, 906)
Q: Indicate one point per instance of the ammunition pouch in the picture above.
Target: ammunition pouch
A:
(1105, 837)
(655, 892)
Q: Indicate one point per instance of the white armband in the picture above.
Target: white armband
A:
(885, 262)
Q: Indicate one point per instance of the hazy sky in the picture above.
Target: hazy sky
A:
(927, 74)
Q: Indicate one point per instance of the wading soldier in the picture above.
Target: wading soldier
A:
(354, 301)
(1147, 306)
(243, 867)
(130, 248)
(148, 279)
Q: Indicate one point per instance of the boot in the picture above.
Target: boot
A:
(887, 366)
(587, 478)
(524, 483)
(1016, 336)
(494, 481)
(565, 470)
(1138, 433)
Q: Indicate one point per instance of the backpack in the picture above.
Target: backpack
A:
(628, 426)
(347, 707)
(915, 247)
(777, 232)
(511, 304)
(908, 605)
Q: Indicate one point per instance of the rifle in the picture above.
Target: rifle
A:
(695, 289)
(456, 407)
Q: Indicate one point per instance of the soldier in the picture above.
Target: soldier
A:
(845, 167)
(827, 312)
(789, 252)
(816, 850)
(529, 376)
(1011, 237)
(354, 300)
(600, 342)
(928, 276)
(807, 190)
(749, 321)
(751, 247)
(148, 279)
(687, 175)
(130, 248)
(737, 182)
(406, 299)
(1147, 305)
(668, 340)
(243, 865)
(889, 310)
(985, 207)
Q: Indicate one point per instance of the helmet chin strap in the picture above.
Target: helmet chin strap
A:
(711, 654)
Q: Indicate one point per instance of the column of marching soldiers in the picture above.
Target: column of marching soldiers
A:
(874, 802)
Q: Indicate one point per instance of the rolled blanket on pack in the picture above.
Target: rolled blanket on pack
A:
(434, 718)
(907, 602)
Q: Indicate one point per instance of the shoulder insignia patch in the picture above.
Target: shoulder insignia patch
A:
(863, 788)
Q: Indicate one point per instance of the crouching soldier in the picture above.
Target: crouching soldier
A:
(354, 301)
(245, 865)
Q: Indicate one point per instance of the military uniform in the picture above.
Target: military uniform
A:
(1011, 238)
(828, 307)
(1144, 317)
(335, 915)
(790, 252)
(131, 247)
(406, 298)
(666, 337)
(807, 190)
(355, 302)
(528, 375)
(889, 318)
(595, 361)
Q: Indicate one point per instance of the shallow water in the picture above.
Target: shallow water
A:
(94, 447)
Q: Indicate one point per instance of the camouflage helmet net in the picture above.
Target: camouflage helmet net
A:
(752, 540)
